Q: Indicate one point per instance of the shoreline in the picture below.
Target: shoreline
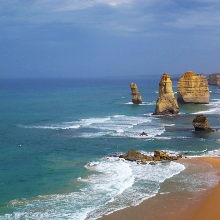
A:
(209, 209)
(182, 205)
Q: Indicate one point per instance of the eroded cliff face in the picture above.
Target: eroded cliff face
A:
(214, 79)
(166, 103)
(192, 90)
(136, 96)
(202, 76)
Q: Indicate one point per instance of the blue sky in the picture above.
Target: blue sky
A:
(70, 38)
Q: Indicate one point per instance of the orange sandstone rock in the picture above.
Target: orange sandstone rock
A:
(136, 96)
(166, 103)
(191, 89)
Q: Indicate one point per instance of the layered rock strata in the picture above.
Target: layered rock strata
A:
(202, 76)
(201, 123)
(166, 103)
(214, 79)
(136, 96)
(191, 89)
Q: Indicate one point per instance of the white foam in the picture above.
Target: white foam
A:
(114, 185)
(210, 111)
(212, 153)
(116, 126)
(214, 108)
(143, 103)
(53, 127)
(163, 138)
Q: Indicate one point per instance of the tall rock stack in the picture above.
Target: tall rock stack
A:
(202, 76)
(214, 79)
(136, 96)
(192, 90)
(166, 103)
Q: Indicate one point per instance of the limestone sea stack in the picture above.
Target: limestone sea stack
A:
(191, 89)
(136, 96)
(166, 103)
(214, 79)
(201, 123)
(202, 76)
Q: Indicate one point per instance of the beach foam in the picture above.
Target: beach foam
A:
(112, 185)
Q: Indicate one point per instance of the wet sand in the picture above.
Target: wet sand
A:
(202, 205)
(210, 208)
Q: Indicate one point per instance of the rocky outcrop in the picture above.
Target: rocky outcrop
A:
(202, 76)
(160, 155)
(136, 96)
(134, 155)
(143, 134)
(166, 103)
(191, 89)
(201, 123)
(214, 79)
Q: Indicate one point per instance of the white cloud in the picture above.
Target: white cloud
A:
(143, 16)
(69, 5)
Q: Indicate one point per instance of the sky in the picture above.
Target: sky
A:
(93, 38)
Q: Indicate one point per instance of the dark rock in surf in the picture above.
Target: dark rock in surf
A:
(143, 134)
(133, 155)
(160, 155)
(201, 123)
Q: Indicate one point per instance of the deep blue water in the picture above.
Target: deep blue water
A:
(59, 139)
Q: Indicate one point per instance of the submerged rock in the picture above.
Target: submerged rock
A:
(202, 76)
(136, 96)
(166, 103)
(143, 134)
(135, 155)
(201, 123)
(214, 79)
(191, 89)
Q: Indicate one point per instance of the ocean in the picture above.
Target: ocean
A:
(60, 140)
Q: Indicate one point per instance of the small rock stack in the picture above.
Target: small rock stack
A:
(136, 96)
(201, 123)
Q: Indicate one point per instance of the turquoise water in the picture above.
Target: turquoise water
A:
(60, 138)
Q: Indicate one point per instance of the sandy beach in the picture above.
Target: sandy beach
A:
(202, 205)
